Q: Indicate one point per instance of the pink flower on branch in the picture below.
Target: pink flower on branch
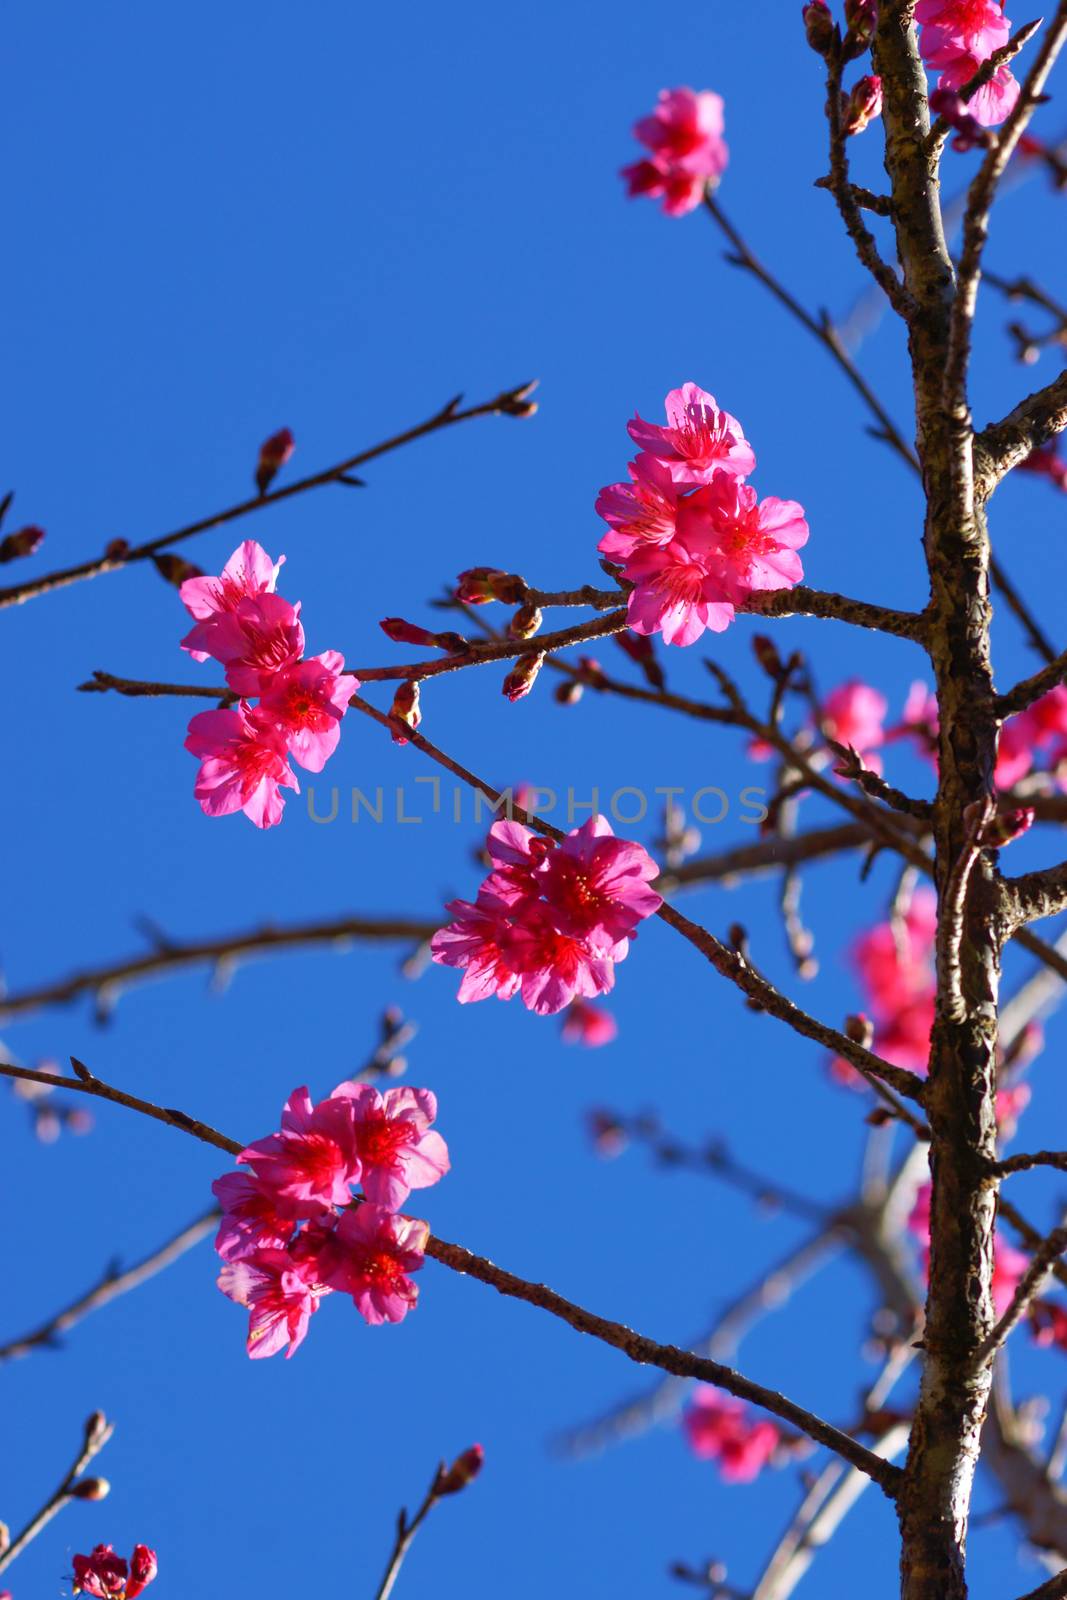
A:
(143, 1569)
(588, 1025)
(396, 1148)
(243, 764)
(281, 1294)
(698, 440)
(854, 715)
(687, 150)
(249, 573)
(677, 592)
(721, 1428)
(258, 638)
(313, 1160)
(306, 702)
(375, 1254)
(950, 29)
(255, 1216)
(994, 101)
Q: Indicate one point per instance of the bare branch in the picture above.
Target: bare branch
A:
(1028, 1286)
(95, 1435)
(1030, 689)
(1004, 444)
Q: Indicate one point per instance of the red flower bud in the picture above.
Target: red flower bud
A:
(463, 1470)
(273, 454)
(24, 542)
(819, 26)
(523, 675)
(91, 1489)
(568, 693)
(860, 1029)
(1007, 826)
(143, 1568)
(862, 105)
(402, 632)
(861, 18)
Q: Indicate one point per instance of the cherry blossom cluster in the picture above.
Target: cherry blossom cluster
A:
(691, 535)
(258, 637)
(721, 1428)
(292, 1230)
(551, 920)
(955, 38)
(687, 152)
(110, 1577)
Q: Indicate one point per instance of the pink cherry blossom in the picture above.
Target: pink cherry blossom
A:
(1010, 1104)
(474, 941)
(721, 1428)
(554, 967)
(243, 765)
(893, 962)
(249, 573)
(102, 1573)
(684, 135)
(854, 714)
(1048, 1324)
(306, 702)
(588, 1025)
(258, 638)
(920, 721)
(396, 1147)
(281, 1294)
(313, 1160)
(698, 439)
(994, 101)
(953, 28)
(1015, 755)
(1046, 462)
(1009, 1265)
(639, 513)
(254, 1215)
(598, 885)
(376, 1253)
(755, 541)
(676, 593)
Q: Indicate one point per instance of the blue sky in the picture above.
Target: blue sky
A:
(226, 220)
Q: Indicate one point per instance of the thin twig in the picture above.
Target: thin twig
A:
(95, 1435)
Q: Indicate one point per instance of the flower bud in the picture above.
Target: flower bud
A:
(526, 622)
(273, 454)
(518, 402)
(819, 26)
(96, 1426)
(1007, 826)
(115, 549)
(639, 647)
(860, 1029)
(91, 1489)
(5, 1540)
(607, 1133)
(175, 569)
(143, 1568)
(478, 585)
(405, 708)
(861, 19)
(860, 107)
(463, 1470)
(523, 675)
(24, 542)
(402, 632)
(766, 653)
(568, 693)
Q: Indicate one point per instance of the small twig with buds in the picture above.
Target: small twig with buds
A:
(446, 1480)
(73, 1486)
(513, 403)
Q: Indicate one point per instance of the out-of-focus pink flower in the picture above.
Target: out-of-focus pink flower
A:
(721, 1428)
(854, 714)
(259, 637)
(641, 512)
(249, 573)
(904, 1040)
(1009, 1265)
(313, 1160)
(306, 702)
(950, 29)
(376, 1253)
(273, 454)
(1046, 719)
(1015, 754)
(699, 439)
(994, 101)
(101, 1573)
(397, 1149)
(1048, 1324)
(862, 105)
(598, 885)
(684, 136)
(254, 1215)
(920, 721)
(893, 960)
(243, 764)
(919, 1217)
(969, 131)
(1010, 1105)
(1046, 462)
(588, 1025)
(281, 1294)
(143, 1569)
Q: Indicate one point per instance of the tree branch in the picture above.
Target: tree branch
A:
(95, 1436)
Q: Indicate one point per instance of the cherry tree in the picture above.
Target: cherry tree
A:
(694, 540)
